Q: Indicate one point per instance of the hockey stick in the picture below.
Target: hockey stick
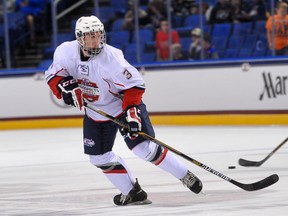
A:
(248, 163)
(248, 187)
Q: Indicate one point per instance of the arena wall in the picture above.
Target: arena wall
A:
(238, 94)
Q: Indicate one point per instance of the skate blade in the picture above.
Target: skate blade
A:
(144, 202)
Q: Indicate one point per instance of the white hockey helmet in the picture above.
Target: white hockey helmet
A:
(90, 24)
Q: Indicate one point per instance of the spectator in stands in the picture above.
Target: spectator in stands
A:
(277, 34)
(162, 41)
(248, 11)
(177, 52)
(222, 12)
(240, 11)
(10, 4)
(183, 7)
(258, 10)
(195, 49)
(156, 10)
(129, 21)
(32, 9)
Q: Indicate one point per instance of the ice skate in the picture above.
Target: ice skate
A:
(192, 182)
(137, 196)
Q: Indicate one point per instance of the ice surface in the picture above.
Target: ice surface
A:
(45, 172)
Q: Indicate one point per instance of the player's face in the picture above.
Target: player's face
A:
(92, 40)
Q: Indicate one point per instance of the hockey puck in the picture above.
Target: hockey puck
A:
(231, 167)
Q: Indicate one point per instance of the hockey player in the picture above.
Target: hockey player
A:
(87, 69)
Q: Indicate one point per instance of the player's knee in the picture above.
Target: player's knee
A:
(150, 151)
(108, 162)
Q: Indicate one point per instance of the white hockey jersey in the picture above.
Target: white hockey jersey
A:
(100, 78)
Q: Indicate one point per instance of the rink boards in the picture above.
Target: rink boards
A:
(239, 94)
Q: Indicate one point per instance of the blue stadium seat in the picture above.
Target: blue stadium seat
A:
(132, 48)
(194, 20)
(177, 21)
(245, 52)
(131, 58)
(186, 31)
(262, 41)
(118, 46)
(222, 29)
(250, 41)
(119, 6)
(185, 44)
(148, 57)
(145, 35)
(231, 53)
(244, 28)
(220, 42)
(130, 52)
(208, 29)
(235, 42)
(259, 52)
(105, 13)
(259, 27)
(268, 52)
(221, 53)
(1, 30)
(121, 37)
(150, 46)
(210, 2)
(117, 24)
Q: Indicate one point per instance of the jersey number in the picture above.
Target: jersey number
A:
(127, 74)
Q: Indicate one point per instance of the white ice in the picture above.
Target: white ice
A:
(45, 172)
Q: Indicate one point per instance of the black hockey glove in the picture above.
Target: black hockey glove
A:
(71, 92)
(133, 118)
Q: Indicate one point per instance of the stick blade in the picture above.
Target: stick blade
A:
(268, 181)
(248, 163)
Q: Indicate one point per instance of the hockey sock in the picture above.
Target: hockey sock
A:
(161, 157)
(173, 165)
(115, 169)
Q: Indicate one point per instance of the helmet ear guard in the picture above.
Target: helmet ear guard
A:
(90, 24)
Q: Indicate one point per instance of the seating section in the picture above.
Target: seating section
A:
(120, 39)
(17, 28)
(144, 35)
(242, 29)
(231, 40)
(222, 29)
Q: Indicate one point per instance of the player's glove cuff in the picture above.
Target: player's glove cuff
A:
(133, 119)
(71, 92)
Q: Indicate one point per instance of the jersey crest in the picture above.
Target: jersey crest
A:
(90, 90)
